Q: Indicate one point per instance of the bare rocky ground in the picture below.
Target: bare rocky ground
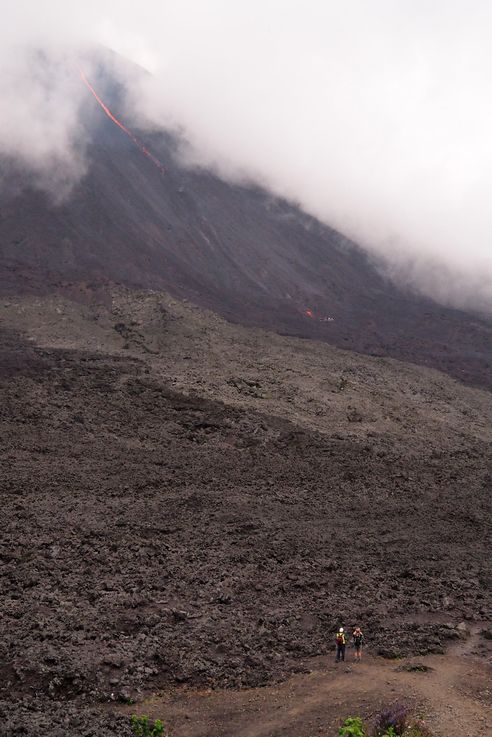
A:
(190, 503)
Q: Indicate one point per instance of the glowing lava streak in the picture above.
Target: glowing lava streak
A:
(115, 120)
(309, 313)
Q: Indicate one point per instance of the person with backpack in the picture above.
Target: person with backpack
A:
(341, 644)
(358, 639)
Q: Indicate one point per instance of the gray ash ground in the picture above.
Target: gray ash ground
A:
(152, 538)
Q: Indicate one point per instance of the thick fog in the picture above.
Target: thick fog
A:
(375, 117)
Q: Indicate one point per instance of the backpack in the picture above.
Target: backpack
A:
(340, 638)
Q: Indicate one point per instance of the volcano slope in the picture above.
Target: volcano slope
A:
(236, 249)
(190, 502)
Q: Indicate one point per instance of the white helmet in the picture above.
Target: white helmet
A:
(341, 629)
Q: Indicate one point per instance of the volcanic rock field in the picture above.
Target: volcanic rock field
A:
(187, 502)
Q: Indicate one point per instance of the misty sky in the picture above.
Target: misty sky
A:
(374, 116)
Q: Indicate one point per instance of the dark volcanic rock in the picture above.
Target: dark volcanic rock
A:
(32, 718)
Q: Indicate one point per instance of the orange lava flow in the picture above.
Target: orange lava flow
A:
(120, 125)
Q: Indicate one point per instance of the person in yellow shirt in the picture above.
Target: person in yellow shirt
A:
(341, 641)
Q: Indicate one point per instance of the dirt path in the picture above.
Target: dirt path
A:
(458, 693)
(454, 697)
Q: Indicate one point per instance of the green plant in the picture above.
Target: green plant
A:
(352, 727)
(142, 727)
(391, 722)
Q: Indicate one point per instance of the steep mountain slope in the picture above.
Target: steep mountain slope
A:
(253, 258)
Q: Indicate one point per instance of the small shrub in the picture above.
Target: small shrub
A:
(352, 727)
(394, 718)
(142, 727)
(391, 722)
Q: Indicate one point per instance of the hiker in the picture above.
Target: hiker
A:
(341, 643)
(358, 638)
